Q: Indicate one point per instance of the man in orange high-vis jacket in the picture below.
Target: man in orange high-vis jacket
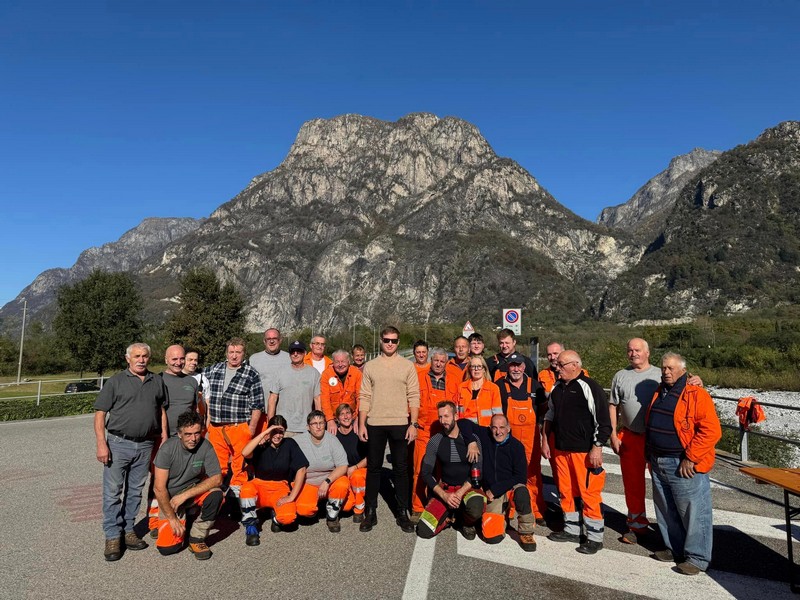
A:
(523, 402)
(187, 477)
(435, 385)
(478, 397)
(578, 416)
(316, 357)
(340, 384)
(682, 429)
(458, 364)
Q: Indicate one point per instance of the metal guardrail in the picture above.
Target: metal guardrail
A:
(39, 395)
(745, 433)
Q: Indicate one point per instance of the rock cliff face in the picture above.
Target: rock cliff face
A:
(732, 241)
(645, 213)
(150, 236)
(417, 219)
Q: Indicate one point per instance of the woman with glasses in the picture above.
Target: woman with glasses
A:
(478, 396)
(276, 461)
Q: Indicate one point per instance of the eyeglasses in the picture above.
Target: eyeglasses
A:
(272, 339)
(562, 365)
(317, 343)
(296, 351)
(390, 340)
(476, 367)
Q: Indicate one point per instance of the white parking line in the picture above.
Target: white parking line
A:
(631, 573)
(419, 571)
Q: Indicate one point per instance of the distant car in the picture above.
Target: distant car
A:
(80, 386)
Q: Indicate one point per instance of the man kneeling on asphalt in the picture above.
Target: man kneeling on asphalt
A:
(453, 496)
(505, 468)
(326, 477)
(187, 478)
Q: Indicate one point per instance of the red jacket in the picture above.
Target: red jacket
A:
(697, 425)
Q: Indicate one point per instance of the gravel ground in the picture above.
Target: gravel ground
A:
(782, 422)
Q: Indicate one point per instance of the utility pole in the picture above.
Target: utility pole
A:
(22, 338)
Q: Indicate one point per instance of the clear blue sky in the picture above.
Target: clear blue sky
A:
(111, 112)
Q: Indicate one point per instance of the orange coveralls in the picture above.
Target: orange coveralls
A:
(479, 411)
(332, 392)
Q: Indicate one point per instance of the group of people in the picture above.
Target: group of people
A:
(304, 434)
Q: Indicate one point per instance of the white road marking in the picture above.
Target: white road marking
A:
(631, 573)
(419, 571)
(752, 525)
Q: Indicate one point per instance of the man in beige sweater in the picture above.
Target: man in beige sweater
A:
(389, 396)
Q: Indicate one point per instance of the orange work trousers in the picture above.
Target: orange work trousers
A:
(358, 487)
(577, 479)
(168, 542)
(420, 493)
(308, 500)
(228, 442)
(633, 463)
(259, 493)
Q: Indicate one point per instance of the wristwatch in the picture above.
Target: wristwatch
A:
(598, 444)
(328, 481)
(415, 425)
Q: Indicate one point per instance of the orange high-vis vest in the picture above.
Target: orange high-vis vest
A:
(522, 417)
(482, 409)
(429, 398)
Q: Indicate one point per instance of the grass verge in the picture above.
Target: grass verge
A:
(52, 406)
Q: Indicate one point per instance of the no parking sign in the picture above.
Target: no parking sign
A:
(512, 319)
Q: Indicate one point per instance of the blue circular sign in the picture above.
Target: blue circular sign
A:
(512, 316)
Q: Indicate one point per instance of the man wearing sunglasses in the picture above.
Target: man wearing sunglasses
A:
(389, 395)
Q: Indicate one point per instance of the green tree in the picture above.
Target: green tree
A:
(98, 318)
(210, 314)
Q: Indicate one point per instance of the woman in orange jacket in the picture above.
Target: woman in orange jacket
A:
(478, 396)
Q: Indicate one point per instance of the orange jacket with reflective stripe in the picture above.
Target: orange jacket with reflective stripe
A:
(697, 425)
(479, 411)
(429, 398)
(332, 392)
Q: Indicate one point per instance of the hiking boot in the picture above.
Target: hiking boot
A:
(688, 568)
(358, 517)
(134, 542)
(664, 555)
(541, 521)
(275, 527)
(590, 547)
(113, 550)
(154, 533)
(468, 531)
(333, 525)
(563, 536)
(404, 522)
(251, 536)
(370, 520)
(527, 542)
(199, 549)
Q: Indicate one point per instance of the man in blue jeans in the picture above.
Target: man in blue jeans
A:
(130, 417)
(682, 428)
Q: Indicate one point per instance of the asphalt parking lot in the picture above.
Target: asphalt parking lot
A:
(51, 545)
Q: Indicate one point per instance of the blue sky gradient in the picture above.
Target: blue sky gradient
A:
(113, 112)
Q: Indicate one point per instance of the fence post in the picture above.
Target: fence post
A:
(39, 393)
(743, 451)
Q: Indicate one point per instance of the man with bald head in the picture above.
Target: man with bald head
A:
(578, 417)
(270, 360)
(548, 376)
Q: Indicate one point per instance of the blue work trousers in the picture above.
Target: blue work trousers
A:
(123, 480)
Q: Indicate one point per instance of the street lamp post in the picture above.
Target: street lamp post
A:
(22, 338)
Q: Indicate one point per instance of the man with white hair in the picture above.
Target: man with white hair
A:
(340, 384)
(682, 429)
(130, 417)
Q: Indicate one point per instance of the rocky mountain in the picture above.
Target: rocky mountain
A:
(150, 236)
(417, 219)
(645, 213)
(732, 241)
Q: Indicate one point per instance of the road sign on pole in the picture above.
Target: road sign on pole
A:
(512, 319)
(468, 329)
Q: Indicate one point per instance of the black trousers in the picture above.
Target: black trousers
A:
(378, 435)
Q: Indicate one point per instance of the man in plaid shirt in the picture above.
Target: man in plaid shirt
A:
(235, 405)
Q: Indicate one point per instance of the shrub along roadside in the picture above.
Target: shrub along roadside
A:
(51, 406)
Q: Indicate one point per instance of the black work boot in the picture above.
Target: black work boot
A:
(370, 519)
(404, 521)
